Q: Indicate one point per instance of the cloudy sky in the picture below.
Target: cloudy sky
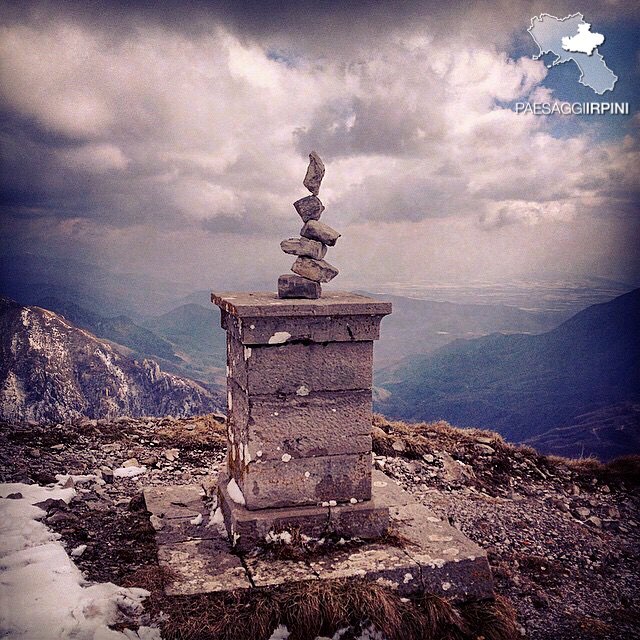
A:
(171, 139)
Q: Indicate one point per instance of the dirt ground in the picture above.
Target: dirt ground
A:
(562, 536)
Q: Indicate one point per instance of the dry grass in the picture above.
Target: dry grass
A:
(204, 432)
(416, 440)
(420, 438)
(625, 469)
(321, 607)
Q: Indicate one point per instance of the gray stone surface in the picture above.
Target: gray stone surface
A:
(175, 501)
(377, 562)
(309, 208)
(299, 369)
(290, 286)
(319, 424)
(259, 304)
(317, 270)
(367, 520)
(179, 511)
(257, 330)
(450, 562)
(436, 557)
(202, 566)
(304, 247)
(315, 173)
(304, 481)
(320, 232)
(249, 529)
(268, 571)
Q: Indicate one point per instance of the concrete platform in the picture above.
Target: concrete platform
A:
(434, 557)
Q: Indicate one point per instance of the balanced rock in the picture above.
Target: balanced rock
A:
(290, 286)
(309, 208)
(315, 173)
(304, 247)
(317, 270)
(319, 231)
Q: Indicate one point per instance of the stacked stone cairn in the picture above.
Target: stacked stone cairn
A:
(310, 268)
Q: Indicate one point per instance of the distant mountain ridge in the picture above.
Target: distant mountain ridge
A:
(606, 433)
(422, 326)
(120, 329)
(51, 370)
(524, 385)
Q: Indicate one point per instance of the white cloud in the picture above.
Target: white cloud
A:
(94, 158)
(186, 132)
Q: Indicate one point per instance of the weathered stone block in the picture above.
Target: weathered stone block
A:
(366, 520)
(202, 566)
(452, 565)
(305, 481)
(264, 304)
(249, 529)
(300, 368)
(268, 571)
(317, 270)
(384, 564)
(175, 501)
(304, 247)
(260, 330)
(180, 513)
(433, 556)
(320, 424)
(321, 232)
(298, 287)
(309, 208)
(315, 173)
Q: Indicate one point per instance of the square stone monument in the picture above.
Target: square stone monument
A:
(299, 376)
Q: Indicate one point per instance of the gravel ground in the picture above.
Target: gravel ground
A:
(562, 536)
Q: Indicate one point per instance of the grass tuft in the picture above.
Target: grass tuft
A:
(322, 607)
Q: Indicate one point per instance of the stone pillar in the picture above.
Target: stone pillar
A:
(299, 375)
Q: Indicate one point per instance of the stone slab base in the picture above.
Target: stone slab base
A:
(250, 528)
(426, 554)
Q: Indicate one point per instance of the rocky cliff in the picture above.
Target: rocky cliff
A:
(50, 370)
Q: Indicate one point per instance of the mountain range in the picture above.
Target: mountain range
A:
(51, 370)
(525, 385)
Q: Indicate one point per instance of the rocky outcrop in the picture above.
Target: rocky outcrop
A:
(50, 370)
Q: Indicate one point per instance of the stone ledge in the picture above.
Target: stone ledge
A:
(263, 331)
(437, 557)
(266, 303)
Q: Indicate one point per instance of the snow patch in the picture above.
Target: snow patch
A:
(283, 537)
(279, 337)
(303, 390)
(129, 472)
(235, 493)
(44, 595)
(216, 518)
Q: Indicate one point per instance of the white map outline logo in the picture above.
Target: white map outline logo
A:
(571, 39)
